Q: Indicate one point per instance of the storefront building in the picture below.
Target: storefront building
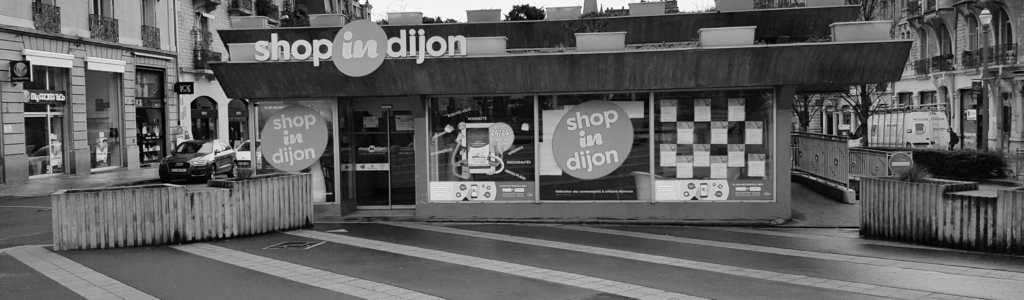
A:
(644, 133)
(83, 93)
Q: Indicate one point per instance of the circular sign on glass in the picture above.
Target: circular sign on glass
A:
(592, 139)
(293, 138)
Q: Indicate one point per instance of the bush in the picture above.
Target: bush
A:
(961, 164)
(916, 174)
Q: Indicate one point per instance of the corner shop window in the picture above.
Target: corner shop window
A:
(714, 145)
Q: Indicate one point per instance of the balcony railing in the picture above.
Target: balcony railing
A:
(270, 11)
(971, 59)
(997, 55)
(46, 17)
(204, 57)
(103, 28)
(942, 63)
(913, 9)
(150, 37)
(242, 7)
(921, 66)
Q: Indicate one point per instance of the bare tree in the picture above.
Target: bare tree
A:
(864, 97)
(806, 106)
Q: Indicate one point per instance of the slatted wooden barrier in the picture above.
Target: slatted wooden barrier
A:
(164, 214)
(935, 214)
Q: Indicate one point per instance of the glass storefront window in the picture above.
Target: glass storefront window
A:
(103, 112)
(44, 120)
(714, 145)
(594, 147)
(482, 148)
(149, 115)
(323, 171)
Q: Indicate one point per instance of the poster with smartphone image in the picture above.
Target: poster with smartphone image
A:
(479, 153)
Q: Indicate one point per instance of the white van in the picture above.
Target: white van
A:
(911, 129)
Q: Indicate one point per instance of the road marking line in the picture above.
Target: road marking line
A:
(74, 276)
(315, 277)
(882, 262)
(825, 283)
(576, 280)
(826, 237)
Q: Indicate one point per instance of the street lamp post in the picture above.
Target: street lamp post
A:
(985, 18)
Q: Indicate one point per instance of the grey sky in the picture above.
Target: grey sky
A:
(456, 9)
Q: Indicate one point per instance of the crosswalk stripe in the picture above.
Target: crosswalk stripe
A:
(576, 280)
(947, 269)
(74, 276)
(841, 285)
(327, 280)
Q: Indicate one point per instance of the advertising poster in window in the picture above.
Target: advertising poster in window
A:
(281, 126)
(596, 147)
(721, 141)
(482, 149)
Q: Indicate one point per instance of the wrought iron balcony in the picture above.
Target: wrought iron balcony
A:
(242, 7)
(921, 66)
(46, 17)
(971, 59)
(150, 37)
(942, 63)
(203, 57)
(103, 28)
(270, 11)
(913, 9)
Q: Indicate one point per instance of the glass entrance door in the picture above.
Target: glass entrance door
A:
(383, 160)
(44, 136)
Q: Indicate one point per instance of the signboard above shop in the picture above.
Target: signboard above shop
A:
(21, 71)
(45, 96)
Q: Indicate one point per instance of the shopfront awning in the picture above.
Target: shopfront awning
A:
(810, 67)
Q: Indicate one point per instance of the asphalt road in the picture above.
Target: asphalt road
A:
(509, 261)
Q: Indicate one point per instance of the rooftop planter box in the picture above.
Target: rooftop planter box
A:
(405, 18)
(486, 46)
(600, 41)
(819, 3)
(647, 8)
(483, 15)
(727, 36)
(734, 5)
(860, 31)
(242, 52)
(563, 13)
(249, 22)
(326, 20)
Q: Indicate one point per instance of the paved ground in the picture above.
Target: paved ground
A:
(504, 261)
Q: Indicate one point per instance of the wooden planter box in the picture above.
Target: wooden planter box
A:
(734, 5)
(249, 22)
(269, 203)
(820, 3)
(727, 36)
(646, 9)
(131, 216)
(860, 31)
(405, 18)
(242, 52)
(943, 213)
(483, 15)
(326, 20)
(563, 13)
(601, 41)
(486, 46)
(161, 214)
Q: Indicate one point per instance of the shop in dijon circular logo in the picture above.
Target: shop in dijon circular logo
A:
(592, 139)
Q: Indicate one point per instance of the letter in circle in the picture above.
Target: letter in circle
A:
(357, 50)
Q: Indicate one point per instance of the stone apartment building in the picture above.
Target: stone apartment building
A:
(99, 95)
(208, 113)
(945, 66)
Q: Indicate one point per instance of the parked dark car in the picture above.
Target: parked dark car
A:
(198, 159)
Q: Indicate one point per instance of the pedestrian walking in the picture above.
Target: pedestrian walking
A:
(953, 138)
